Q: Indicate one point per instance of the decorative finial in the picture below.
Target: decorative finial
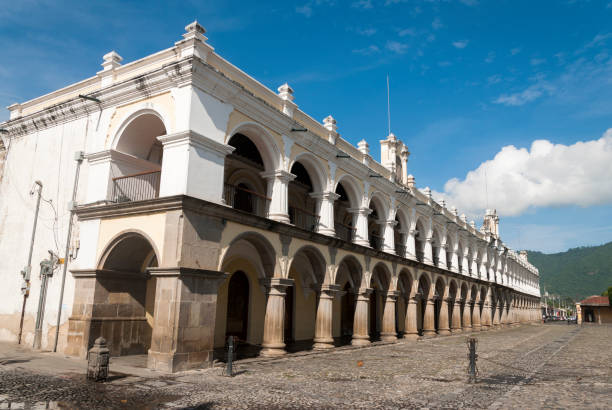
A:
(285, 92)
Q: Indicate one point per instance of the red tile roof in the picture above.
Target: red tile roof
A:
(596, 301)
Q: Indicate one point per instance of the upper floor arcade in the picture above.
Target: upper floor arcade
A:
(185, 121)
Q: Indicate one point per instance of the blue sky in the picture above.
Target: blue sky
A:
(467, 79)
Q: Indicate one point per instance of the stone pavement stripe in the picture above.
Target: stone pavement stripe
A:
(499, 403)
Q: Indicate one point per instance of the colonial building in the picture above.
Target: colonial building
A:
(208, 205)
(594, 309)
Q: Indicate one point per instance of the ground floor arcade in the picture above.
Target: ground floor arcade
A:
(177, 281)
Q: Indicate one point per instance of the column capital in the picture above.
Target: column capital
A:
(361, 211)
(278, 174)
(277, 284)
(329, 290)
(328, 195)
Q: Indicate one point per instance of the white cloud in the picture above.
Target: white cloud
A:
(537, 61)
(368, 32)
(531, 93)
(407, 32)
(546, 175)
(436, 24)
(460, 44)
(397, 47)
(490, 57)
(515, 51)
(305, 10)
(367, 51)
(494, 79)
(444, 63)
(362, 4)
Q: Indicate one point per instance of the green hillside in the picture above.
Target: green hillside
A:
(577, 273)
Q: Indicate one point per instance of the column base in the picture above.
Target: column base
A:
(273, 351)
(484, 328)
(284, 218)
(361, 341)
(411, 336)
(362, 242)
(458, 330)
(475, 328)
(177, 362)
(429, 334)
(388, 337)
(323, 344)
(466, 329)
(444, 332)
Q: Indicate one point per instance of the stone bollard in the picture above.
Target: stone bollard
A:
(98, 359)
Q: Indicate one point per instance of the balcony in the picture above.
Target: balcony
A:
(400, 250)
(376, 242)
(344, 232)
(303, 219)
(136, 187)
(246, 200)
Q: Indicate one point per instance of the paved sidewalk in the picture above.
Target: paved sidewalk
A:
(543, 366)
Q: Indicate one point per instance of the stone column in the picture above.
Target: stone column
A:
(326, 212)
(467, 317)
(184, 318)
(323, 328)
(361, 336)
(504, 317)
(476, 317)
(442, 256)
(389, 237)
(274, 323)
(360, 215)
(278, 191)
(485, 320)
(443, 325)
(456, 319)
(429, 329)
(455, 261)
(410, 248)
(465, 264)
(411, 332)
(389, 334)
(428, 251)
(475, 265)
(495, 315)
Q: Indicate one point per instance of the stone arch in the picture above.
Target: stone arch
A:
(380, 281)
(260, 252)
(126, 293)
(352, 188)
(450, 249)
(137, 135)
(349, 279)
(420, 237)
(316, 169)
(436, 242)
(313, 262)
(376, 218)
(263, 140)
(252, 257)
(131, 251)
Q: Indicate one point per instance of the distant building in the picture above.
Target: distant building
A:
(594, 309)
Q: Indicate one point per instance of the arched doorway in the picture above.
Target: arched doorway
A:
(244, 188)
(137, 176)
(419, 241)
(376, 223)
(423, 294)
(302, 206)
(348, 278)
(238, 306)
(343, 219)
(124, 302)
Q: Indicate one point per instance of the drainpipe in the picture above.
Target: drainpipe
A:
(78, 157)
(25, 288)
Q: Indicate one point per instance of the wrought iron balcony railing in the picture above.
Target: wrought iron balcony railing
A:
(135, 187)
(246, 200)
(303, 219)
(344, 232)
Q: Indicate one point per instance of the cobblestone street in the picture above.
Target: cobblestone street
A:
(548, 366)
